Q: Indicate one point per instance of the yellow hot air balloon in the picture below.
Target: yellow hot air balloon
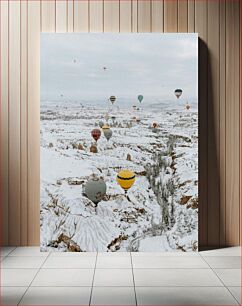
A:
(126, 179)
(105, 127)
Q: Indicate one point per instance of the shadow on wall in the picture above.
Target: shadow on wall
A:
(210, 225)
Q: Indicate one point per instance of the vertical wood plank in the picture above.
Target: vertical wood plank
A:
(4, 140)
(232, 122)
(222, 120)
(61, 16)
(125, 16)
(48, 16)
(96, 16)
(14, 122)
(170, 15)
(191, 16)
(213, 123)
(24, 124)
(201, 28)
(157, 14)
(33, 122)
(111, 16)
(182, 16)
(134, 16)
(81, 16)
(144, 16)
(70, 16)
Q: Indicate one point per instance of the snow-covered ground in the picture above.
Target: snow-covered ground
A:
(160, 212)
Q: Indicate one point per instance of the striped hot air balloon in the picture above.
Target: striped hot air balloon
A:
(126, 179)
(112, 99)
(178, 93)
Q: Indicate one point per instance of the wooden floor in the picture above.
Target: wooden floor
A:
(217, 23)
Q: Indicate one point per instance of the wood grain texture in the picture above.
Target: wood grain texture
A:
(213, 116)
(182, 16)
(70, 16)
(96, 16)
(171, 15)
(48, 16)
(33, 122)
(144, 16)
(232, 122)
(201, 27)
(61, 16)
(4, 133)
(217, 24)
(111, 16)
(157, 16)
(81, 16)
(191, 16)
(14, 195)
(134, 16)
(126, 16)
(222, 123)
(24, 123)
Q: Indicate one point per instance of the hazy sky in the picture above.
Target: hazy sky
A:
(147, 64)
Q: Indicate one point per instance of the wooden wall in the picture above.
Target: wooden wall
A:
(217, 23)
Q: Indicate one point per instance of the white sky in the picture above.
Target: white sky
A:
(153, 65)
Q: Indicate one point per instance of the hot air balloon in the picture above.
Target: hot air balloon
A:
(104, 68)
(187, 106)
(101, 124)
(105, 127)
(112, 99)
(95, 190)
(126, 179)
(107, 133)
(96, 133)
(154, 125)
(178, 93)
(140, 98)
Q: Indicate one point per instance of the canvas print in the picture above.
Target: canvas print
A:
(119, 142)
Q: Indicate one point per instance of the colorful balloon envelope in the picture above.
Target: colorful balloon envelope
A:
(126, 179)
(112, 99)
(105, 127)
(140, 98)
(178, 93)
(96, 133)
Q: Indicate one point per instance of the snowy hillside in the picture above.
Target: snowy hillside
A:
(160, 211)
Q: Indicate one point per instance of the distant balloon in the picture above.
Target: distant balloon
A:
(140, 98)
(104, 68)
(96, 133)
(95, 190)
(126, 179)
(178, 93)
(101, 124)
(154, 125)
(105, 127)
(108, 134)
(112, 99)
(187, 106)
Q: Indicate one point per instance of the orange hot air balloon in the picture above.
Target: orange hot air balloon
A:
(155, 125)
(96, 133)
